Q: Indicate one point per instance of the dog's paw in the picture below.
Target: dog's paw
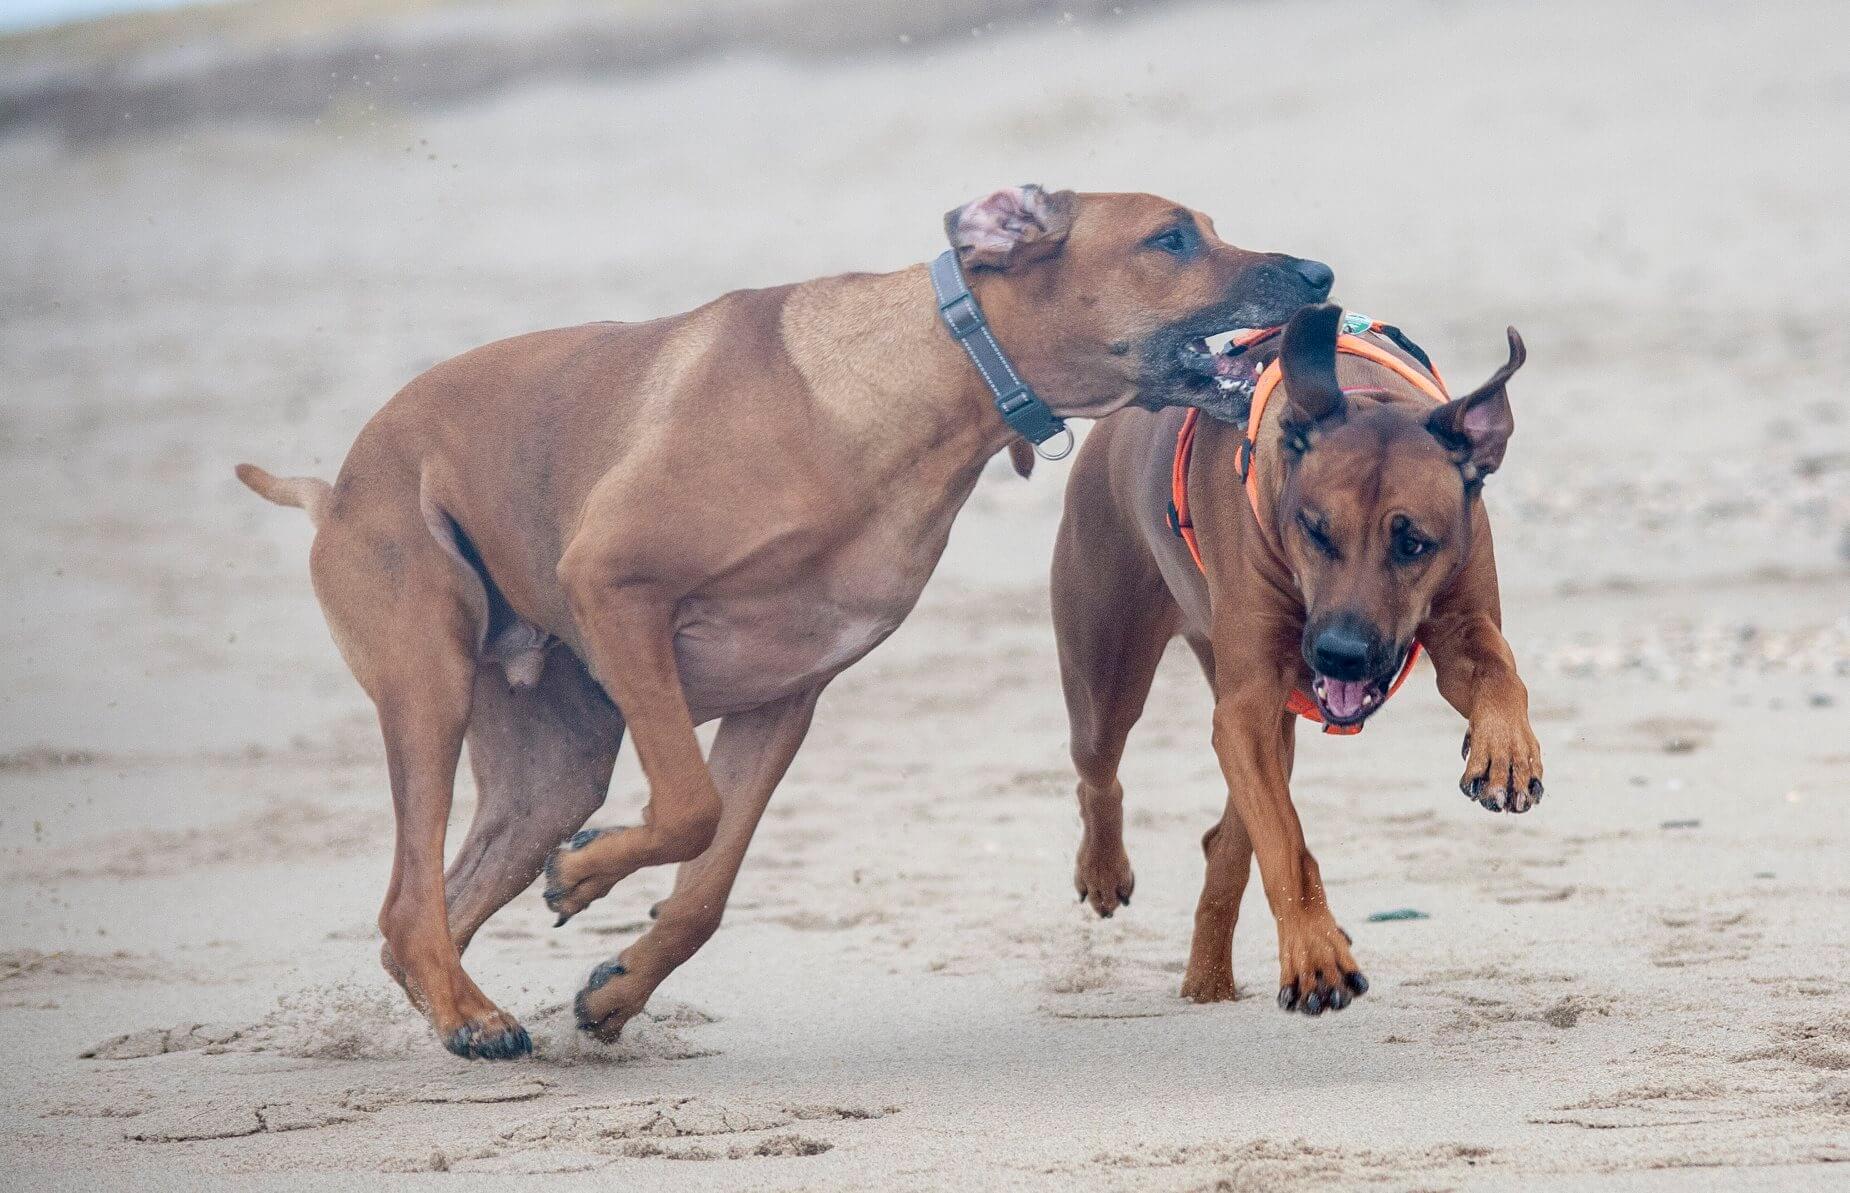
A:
(1503, 767)
(1316, 971)
(1103, 876)
(492, 1036)
(611, 998)
(574, 879)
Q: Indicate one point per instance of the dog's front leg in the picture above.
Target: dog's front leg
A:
(750, 753)
(628, 634)
(1477, 676)
(1317, 972)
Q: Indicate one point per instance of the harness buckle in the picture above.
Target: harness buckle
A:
(1243, 461)
(1014, 400)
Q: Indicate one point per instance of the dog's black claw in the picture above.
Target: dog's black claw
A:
(1473, 788)
(583, 837)
(561, 921)
(1312, 1004)
(1356, 982)
(468, 1043)
(507, 1045)
(1490, 805)
(552, 892)
(1125, 899)
(603, 973)
(1465, 751)
(1106, 914)
(1339, 998)
(1535, 790)
(1347, 939)
(655, 910)
(1287, 998)
(582, 1015)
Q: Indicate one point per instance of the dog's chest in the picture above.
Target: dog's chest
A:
(736, 653)
(800, 622)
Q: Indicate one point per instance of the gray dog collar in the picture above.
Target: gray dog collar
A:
(1021, 408)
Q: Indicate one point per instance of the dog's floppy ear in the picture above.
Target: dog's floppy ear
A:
(1010, 227)
(1307, 358)
(1479, 424)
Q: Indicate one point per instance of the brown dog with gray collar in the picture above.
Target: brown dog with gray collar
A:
(709, 516)
(1359, 533)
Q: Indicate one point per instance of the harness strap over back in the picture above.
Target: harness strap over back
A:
(1352, 344)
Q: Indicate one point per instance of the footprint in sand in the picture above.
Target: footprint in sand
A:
(1280, 1164)
(1647, 1107)
(1823, 1044)
(1705, 937)
(682, 1128)
(192, 1121)
(1089, 984)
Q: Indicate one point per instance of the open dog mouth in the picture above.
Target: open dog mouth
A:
(1227, 372)
(1347, 701)
(1352, 701)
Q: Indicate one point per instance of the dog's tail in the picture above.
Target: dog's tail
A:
(309, 493)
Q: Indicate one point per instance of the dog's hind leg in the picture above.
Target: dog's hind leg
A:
(1113, 615)
(409, 623)
(1229, 852)
(750, 754)
(542, 757)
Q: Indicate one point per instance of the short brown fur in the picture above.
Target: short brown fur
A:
(553, 538)
(1355, 448)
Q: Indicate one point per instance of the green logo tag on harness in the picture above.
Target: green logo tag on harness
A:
(1354, 324)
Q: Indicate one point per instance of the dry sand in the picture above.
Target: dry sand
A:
(1644, 984)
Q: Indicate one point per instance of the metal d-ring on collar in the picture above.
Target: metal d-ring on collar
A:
(1021, 408)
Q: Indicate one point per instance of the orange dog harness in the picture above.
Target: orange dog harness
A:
(1350, 343)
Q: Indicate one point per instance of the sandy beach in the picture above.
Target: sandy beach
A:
(1644, 984)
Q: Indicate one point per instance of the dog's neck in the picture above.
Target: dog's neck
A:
(907, 397)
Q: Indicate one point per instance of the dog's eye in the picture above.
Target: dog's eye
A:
(1179, 241)
(1409, 546)
(1316, 531)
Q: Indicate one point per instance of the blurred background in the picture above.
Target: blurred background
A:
(232, 230)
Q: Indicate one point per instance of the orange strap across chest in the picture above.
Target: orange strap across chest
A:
(1298, 702)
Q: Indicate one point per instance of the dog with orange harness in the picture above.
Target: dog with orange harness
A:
(1306, 554)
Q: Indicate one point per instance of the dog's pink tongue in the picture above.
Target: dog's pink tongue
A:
(1344, 697)
(1232, 366)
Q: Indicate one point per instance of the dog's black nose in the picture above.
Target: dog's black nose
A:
(1339, 652)
(1317, 275)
